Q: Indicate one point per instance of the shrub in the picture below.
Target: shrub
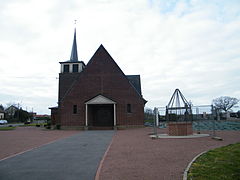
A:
(58, 126)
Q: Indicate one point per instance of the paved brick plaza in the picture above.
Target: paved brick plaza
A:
(133, 155)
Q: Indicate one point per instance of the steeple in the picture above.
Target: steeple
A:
(74, 54)
(73, 65)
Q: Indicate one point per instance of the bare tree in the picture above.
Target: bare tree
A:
(148, 114)
(225, 103)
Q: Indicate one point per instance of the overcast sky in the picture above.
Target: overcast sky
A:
(193, 45)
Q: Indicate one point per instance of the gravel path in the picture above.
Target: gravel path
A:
(134, 156)
(24, 138)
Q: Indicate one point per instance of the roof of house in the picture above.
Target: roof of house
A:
(10, 108)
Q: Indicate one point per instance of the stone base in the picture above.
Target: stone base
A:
(99, 128)
(180, 128)
(73, 127)
(129, 127)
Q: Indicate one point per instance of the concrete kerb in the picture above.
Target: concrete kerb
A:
(159, 136)
(103, 158)
(190, 164)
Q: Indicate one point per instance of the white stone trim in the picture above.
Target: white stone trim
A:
(80, 66)
(86, 115)
(114, 115)
(100, 100)
(61, 68)
(70, 68)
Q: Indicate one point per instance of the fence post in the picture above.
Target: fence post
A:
(154, 122)
(157, 120)
(198, 119)
(213, 121)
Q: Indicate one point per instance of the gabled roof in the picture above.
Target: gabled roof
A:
(134, 80)
(98, 63)
(11, 107)
(100, 99)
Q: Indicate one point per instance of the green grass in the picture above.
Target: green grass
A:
(6, 128)
(218, 164)
(149, 120)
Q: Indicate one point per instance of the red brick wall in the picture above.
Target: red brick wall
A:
(180, 128)
(54, 116)
(102, 76)
(65, 82)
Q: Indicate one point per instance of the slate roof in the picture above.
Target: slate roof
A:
(69, 61)
(74, 54)
(136, 82)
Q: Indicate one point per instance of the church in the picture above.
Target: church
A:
(97, 95)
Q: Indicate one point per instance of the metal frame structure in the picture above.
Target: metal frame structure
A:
(178, 108)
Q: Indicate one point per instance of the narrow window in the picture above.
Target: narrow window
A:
(75, 67)
(66, 68)
(129, 108)
(74, 109)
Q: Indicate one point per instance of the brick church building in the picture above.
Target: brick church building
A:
(97, 95)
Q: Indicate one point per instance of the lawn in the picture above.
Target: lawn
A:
(6, 128)
(218, 164)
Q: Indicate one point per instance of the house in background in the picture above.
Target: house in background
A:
(97, 95)
(2, 112)
(10, 111)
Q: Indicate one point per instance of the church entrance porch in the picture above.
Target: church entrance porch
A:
(100, 113)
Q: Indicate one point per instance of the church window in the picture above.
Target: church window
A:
(129, 108)
(66, 68)
(75, 67)
(74, 109)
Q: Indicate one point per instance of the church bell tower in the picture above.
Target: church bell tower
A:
(70, 70)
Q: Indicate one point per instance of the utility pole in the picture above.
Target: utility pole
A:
(32, 114)
(18, 112)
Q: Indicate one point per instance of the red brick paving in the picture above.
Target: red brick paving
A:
(25, 138)
(134, 156)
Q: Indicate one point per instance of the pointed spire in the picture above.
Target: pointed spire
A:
(74, 54)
